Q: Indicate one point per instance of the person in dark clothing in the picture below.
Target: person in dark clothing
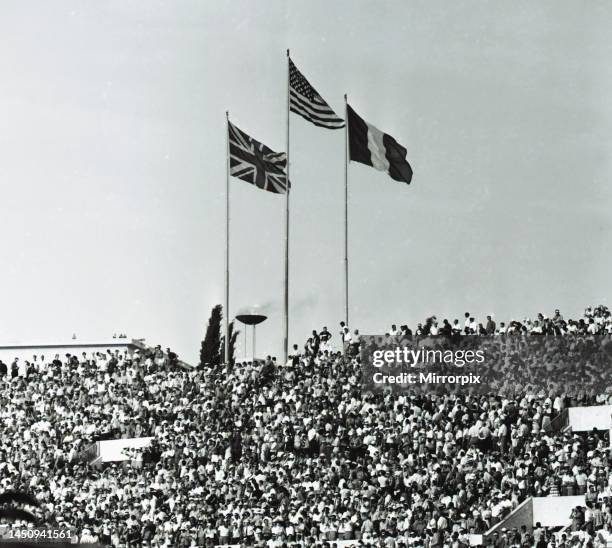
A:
(316, 342)
(236, 446)
(490, 327)
(148, 532)
(405, 333)
(267, 371)
(447, 329)
(134, 538)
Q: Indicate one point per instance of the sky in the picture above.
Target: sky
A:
(112, 164)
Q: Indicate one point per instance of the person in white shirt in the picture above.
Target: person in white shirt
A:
(456, 327)
(343, 329)
(473, 326)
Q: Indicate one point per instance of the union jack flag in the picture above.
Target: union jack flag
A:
(255, 163)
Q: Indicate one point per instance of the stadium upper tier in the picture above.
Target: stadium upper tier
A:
(297, 454)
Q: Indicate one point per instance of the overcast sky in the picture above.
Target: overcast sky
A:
(112, 163)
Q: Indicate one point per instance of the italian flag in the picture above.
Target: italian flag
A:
(368, 145)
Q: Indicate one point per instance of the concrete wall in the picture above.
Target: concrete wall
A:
(555, 511)
(8, 352)
(112, 450)
(549, 511)
(521, 515)
(583, 419)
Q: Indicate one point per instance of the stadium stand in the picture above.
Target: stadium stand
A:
(297, 454)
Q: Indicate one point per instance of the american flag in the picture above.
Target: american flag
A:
(305, 101)
(255, 163)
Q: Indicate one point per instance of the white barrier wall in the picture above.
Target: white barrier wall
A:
(555, 511)
(583, 419)
(112, 450)
(8, 352)
(26, 352)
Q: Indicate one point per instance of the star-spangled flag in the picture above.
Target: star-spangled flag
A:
(368, 145)
(255, 163)
(305, 101)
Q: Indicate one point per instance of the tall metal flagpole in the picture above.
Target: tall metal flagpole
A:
(286, 315)
(227, 224)
(346, 263)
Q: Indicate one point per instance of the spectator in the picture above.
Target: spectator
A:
(301, 455)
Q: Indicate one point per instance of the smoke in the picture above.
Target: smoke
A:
(304, 304)
(270, 308)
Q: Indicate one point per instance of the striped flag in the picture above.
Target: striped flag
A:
(368, 145)
(255, 163)
(305, 101)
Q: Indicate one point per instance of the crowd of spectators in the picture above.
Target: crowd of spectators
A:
(270, 454)
(595, 321)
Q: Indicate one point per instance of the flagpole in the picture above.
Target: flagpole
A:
(286, 296)
(346, 262)
(227, 224)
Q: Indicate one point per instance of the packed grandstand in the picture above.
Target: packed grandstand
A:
(297, 454)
